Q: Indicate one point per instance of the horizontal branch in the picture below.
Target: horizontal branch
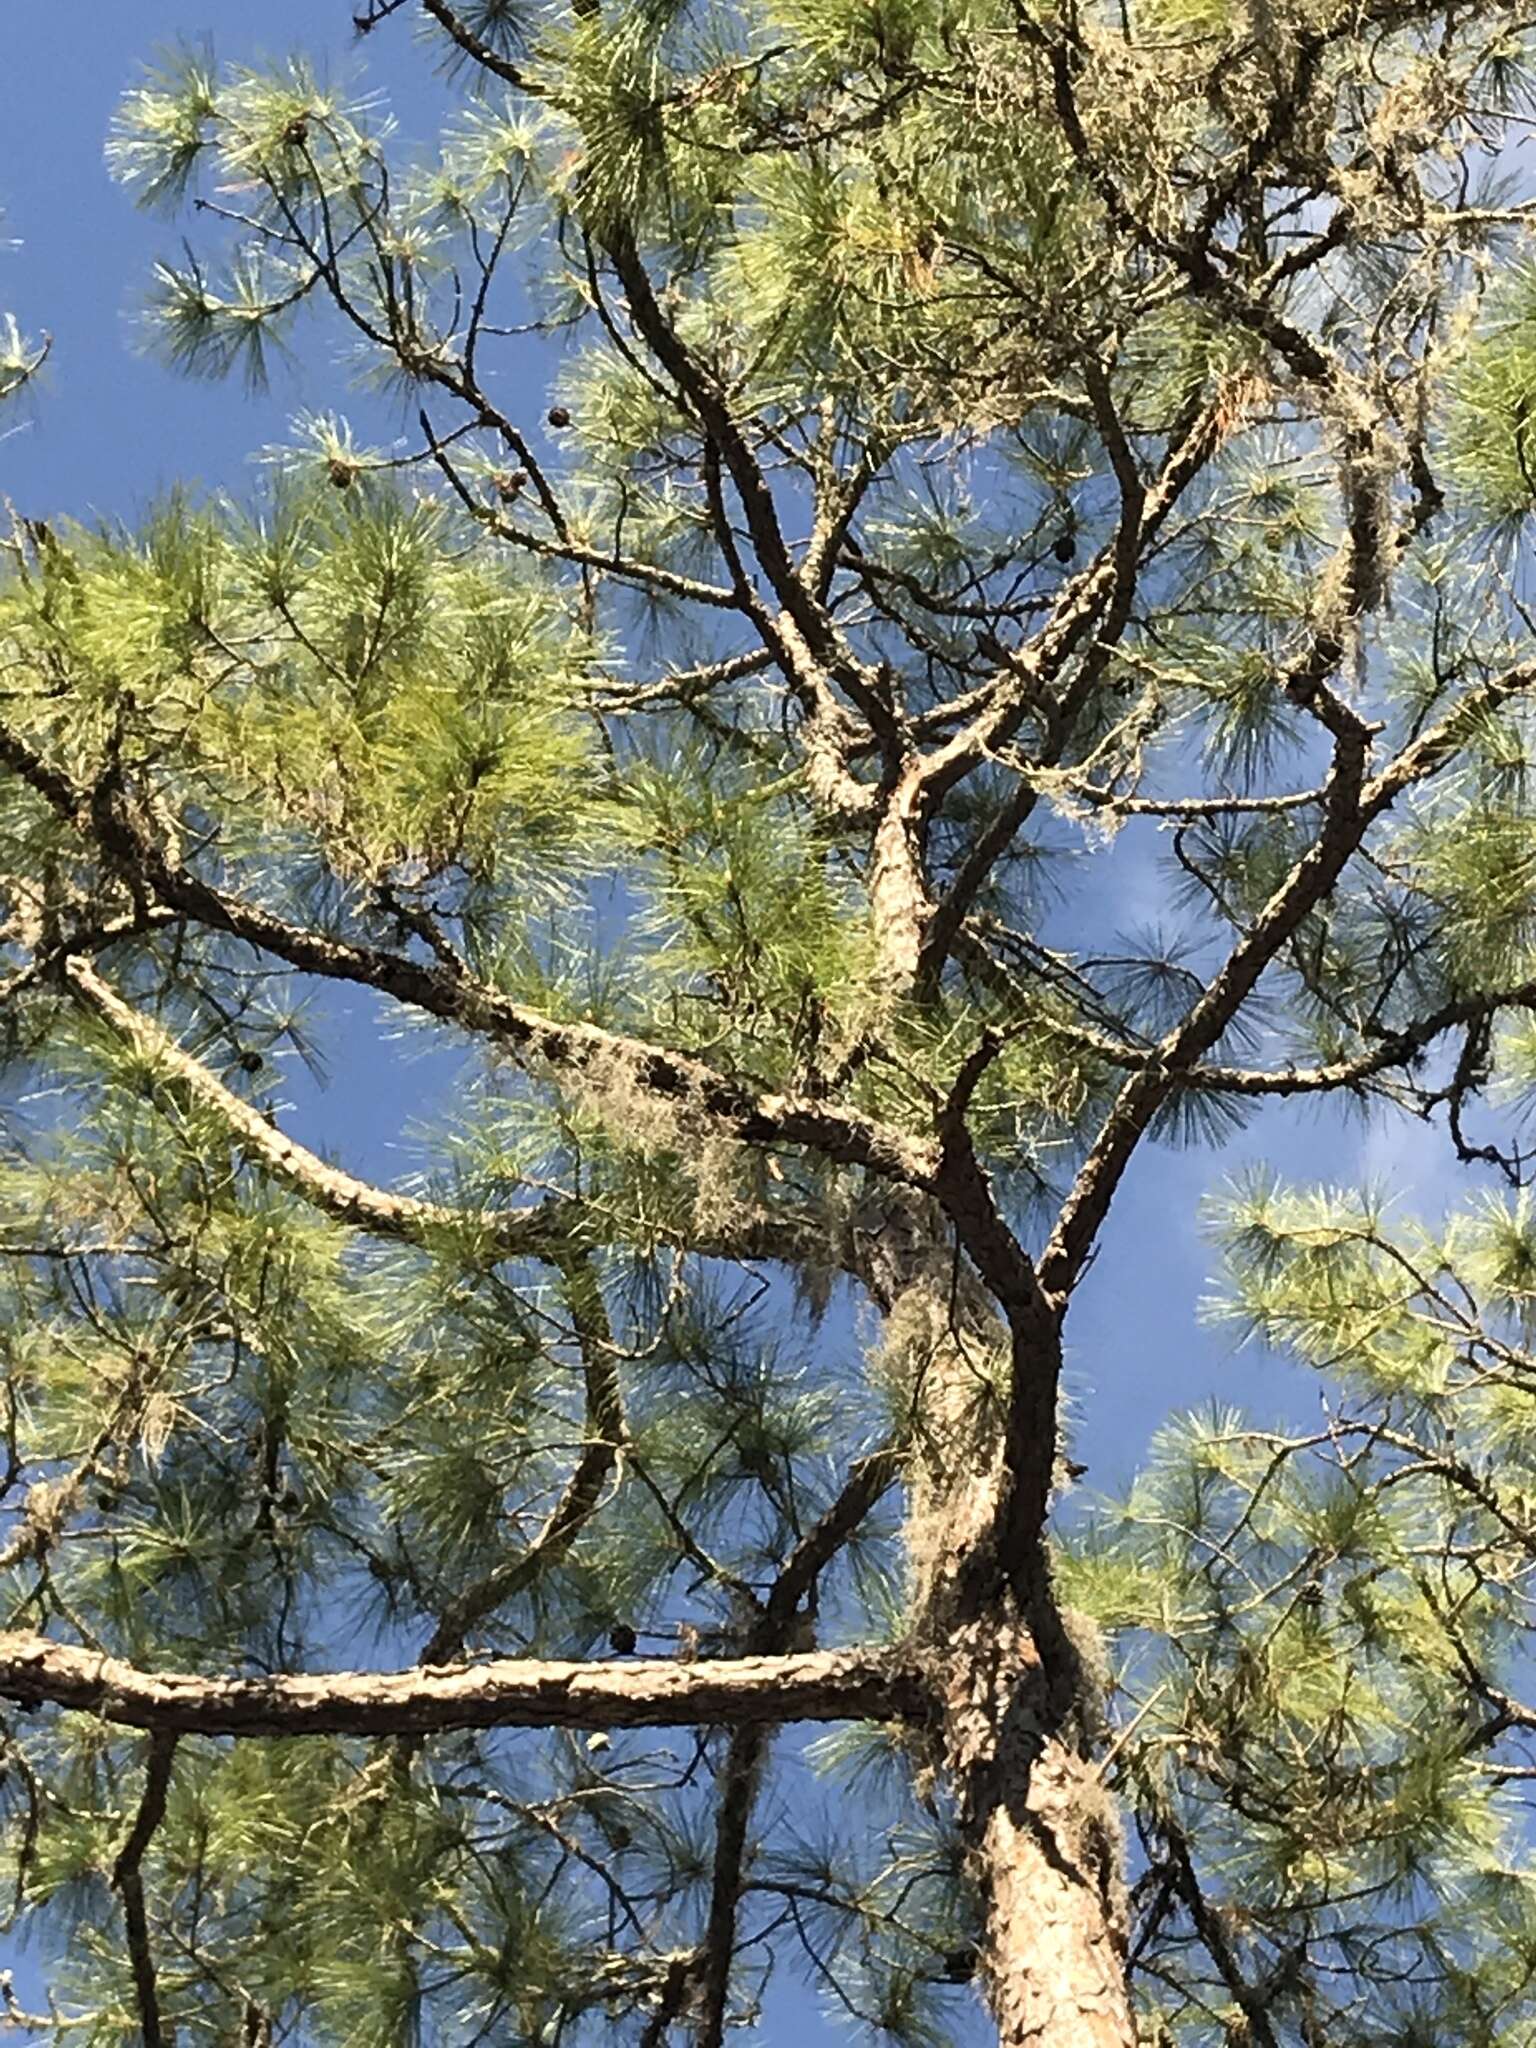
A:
(825, 1685)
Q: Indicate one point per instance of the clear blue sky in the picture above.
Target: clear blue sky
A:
(111, 429)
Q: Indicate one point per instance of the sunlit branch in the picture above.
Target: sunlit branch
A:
(506, 1233)
(583, 1053)
(825, 1685)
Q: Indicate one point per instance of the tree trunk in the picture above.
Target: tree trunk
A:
(1045, 1847)
(1020, 1704)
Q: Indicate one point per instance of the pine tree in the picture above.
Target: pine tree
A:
(995, 451)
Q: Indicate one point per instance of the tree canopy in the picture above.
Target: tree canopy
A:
(873, 475)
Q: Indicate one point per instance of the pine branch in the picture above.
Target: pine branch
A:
(1441, 746)
(1346, 815)
(726, 1106)
(824, 1685)
(805, 639)
(479, 52)
(1213, 1934)
(869, 1479)
(551, 1232)
(740, 1776)
(736, 1787)
(538, 1232)
(644, 575)
(1100, 598)
(603, 1434)
(679, 1080)
(127, 1878)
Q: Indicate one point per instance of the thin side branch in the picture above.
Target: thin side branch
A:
(126, 1876)
(512, 1233)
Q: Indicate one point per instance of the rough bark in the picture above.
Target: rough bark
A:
(827, 1685)
(899, 903)
(1016, 1711)
(1044, 1841)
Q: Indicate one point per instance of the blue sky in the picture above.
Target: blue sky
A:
(110, 429)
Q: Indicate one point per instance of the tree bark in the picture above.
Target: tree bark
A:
(507, 1692)
(1017, 1704)
(1044, 1840)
